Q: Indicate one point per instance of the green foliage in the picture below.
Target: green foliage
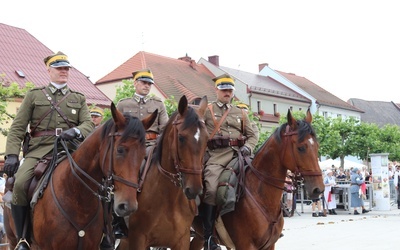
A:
(170, 105)
(8, 93)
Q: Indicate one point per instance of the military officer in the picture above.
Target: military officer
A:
(97, 116)
(142, 104)
(71, 121)
(230, 131)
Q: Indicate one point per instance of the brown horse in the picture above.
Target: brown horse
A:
(257, 221)
(106, 164)
(174, 179)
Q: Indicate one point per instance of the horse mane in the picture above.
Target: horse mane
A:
(191, 119)
(133, 128)
(303, 128)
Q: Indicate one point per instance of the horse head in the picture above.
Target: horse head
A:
(124, 149)
(187, 141)
(301, 153)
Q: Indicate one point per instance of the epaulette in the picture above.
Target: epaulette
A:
(126, 98)
(38, 88)
(76, 92)
(156, 98)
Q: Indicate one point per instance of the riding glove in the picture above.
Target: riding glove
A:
(11, 165)
(245, 151)
(70, 134)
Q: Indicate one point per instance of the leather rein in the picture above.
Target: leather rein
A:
(176, 178)
(298, 176)
(105, 189)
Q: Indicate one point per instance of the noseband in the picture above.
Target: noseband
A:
(298, 177)
(177, 178)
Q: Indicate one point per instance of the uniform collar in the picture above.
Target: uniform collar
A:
(63, 90)
(220, 104)
(138, 97)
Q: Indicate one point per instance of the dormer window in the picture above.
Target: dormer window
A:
(20, 73)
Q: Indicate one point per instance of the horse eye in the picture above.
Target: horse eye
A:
(120, 150)
(181, 138)
(302, 149)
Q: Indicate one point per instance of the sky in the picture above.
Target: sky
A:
(351, 48)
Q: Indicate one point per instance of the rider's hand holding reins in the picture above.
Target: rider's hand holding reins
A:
(11, 165)
(70, 134)
(245, 151)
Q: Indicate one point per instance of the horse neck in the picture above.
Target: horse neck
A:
(268, 162)
(87, 156)
(168, 150)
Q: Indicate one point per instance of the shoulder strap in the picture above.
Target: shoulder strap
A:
(217, 126)
(55, 105)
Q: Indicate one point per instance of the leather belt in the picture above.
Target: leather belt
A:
(235, 142)
(151, 136)
(352, 184)
(55, 132)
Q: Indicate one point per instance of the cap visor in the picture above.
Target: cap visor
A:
(145, 79)
(225, 86)
(60, 64)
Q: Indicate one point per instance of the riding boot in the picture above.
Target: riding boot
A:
(209, 213)
(119, 227)
(19, 214)
(107, 243)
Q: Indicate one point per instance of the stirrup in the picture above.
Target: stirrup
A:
(22, 240)
(215, 245)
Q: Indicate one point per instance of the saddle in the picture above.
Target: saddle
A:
(40, 172)
(231, 184)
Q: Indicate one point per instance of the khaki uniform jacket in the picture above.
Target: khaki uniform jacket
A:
(34, 106)
(232, 127)
(141, 110)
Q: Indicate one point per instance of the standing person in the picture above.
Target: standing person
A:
(316, 208)
(230, 132)
(329, 182)
(356, 180)
(397, 184)
(142, 104)
(70, 120)
(97, 116)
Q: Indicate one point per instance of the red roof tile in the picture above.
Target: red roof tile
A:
(20, 51)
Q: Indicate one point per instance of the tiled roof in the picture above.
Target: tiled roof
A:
(323, 97)
(378, 112)
(173, 77)
(20, 51)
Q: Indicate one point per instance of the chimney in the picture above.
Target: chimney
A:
(185, 58)
(261, 66)
(192, 64)
(214, 60)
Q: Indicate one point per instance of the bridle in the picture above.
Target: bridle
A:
(105, 189)
(177, 178)
(298, 177)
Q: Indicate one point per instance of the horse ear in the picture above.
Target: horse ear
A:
(308, 116)
(149, 120)
(203, 106)
(292, 122)
(183, 105)
(118, 117)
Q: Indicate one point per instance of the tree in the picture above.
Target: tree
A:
(8, 93)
